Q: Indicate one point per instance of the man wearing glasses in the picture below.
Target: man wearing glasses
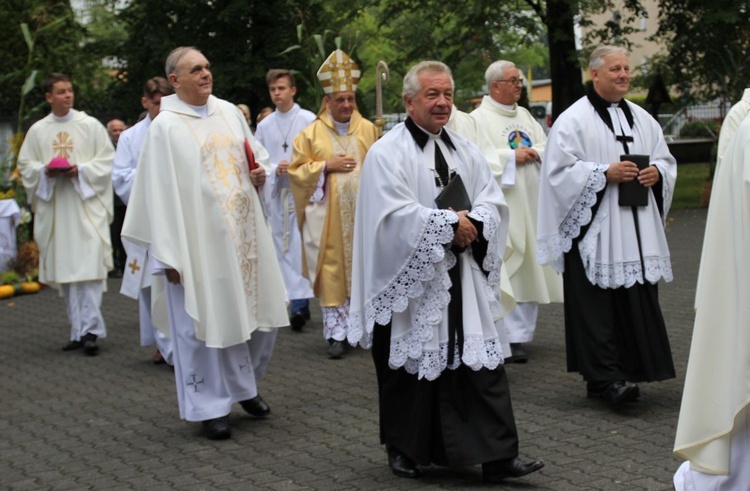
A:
(519, 142)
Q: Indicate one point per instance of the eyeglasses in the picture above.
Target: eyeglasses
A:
(512, 81)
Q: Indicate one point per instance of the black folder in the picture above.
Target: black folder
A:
(454, 196)
(633, 193)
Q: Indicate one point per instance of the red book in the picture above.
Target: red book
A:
(251, 163)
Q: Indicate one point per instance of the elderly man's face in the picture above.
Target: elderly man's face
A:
(431, 107)
(115, 127)
(192, 79)
(612, 79)
(507, 90)
(341, 105)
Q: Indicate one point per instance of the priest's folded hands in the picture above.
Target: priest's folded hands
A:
(466, 231)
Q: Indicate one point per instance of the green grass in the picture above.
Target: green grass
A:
(688, 192)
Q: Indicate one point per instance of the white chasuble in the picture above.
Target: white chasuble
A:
(72, 215)
(716, 397)
(507, 130)
(194, 204)
(402, 258)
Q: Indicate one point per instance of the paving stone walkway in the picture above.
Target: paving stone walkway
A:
(111, 422)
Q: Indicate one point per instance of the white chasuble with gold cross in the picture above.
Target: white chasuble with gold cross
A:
(194, 204)
(72, 215)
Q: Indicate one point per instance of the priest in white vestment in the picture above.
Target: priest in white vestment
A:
(276, 132)
(713, 432)
(731, 122)
(72, 207)
(194, 204)
(518, 141)
(425, 293)
(611, 256)
(136, 278)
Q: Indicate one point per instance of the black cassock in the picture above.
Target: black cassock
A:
(464, 417)
(614, 334)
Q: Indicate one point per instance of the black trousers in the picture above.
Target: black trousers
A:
(464, 417)
(119, 256)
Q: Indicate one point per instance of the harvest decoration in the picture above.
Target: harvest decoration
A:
(22, 278)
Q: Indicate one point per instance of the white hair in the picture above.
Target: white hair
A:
(496, 71)
(175, 56)
(596, 60)
(411, 80)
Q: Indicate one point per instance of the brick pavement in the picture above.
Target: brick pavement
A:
(111, 422)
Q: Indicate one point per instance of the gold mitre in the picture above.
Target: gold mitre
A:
(338, 73)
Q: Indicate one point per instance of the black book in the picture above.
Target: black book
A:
(454, 196)
(633, 193)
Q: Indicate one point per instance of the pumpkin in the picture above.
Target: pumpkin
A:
(30, 286)
(6, 291)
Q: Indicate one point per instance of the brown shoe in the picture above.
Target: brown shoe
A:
(158, 359)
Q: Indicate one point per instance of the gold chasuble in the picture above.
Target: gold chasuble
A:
(326, 219)
(194, 205)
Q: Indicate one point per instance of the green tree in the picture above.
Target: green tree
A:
(240, 38)
(709, 47)
(58, 49)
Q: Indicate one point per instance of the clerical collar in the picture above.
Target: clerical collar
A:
(601, 106)
(500, 105)
(422, 136)
(341, 128)
(201, 111)
(64, 119)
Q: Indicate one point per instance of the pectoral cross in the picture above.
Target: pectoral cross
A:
(285, 146)
(134, 266)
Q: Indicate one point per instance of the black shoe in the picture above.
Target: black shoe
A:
(306, 313)
(90, 348)
(616, 393)
(497, 470)
(298, 321)
(401, 465)
(336, 350)
(517, 354)
(72, 345)
(217, 429)
(256, 407)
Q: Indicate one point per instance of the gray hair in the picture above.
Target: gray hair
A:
(496, 71)
(175, 56)
(596, 60)
(411, 79)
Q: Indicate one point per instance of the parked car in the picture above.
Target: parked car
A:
(542, 112)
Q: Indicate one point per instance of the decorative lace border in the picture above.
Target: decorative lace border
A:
(478, 353)
(417, 279)
(551, 249)
(335, 320)
(630, 273)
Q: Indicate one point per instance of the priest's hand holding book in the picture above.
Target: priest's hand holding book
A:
(258, 176)
(626, 171)
(466, 232)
